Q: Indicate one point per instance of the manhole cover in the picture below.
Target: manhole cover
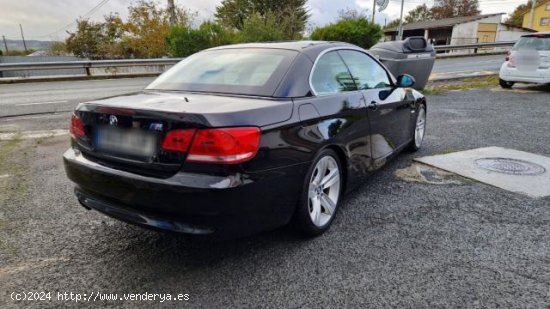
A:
(510, 166)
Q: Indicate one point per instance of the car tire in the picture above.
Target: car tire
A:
(505, 84)
(419, 129)
(321, 195)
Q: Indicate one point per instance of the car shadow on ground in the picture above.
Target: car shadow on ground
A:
(173, 254)
(168, 248)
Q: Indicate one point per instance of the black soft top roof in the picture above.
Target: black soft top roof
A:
(291, 45)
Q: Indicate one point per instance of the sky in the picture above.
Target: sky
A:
(50, 19)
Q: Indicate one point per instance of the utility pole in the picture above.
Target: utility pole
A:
(400, 31)
(5, 44)
(532, 14)
(373, 10)
(172, 13)
(23, 37)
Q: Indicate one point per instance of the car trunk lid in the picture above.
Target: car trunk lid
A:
(127, 132)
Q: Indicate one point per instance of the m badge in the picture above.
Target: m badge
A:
(113, 120)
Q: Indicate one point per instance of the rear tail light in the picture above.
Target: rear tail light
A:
(510, 59)
(224, 146)
(178, 140)
(219, 146)
(77, 127)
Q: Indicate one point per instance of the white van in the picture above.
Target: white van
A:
(528, 62)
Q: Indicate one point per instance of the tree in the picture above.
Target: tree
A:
(291, 15)
(292, 19)
(183, 41)
(516, 18)
(258, 28)
(97, 40)
(454, 8)
(358, 31)
(143, 35)
(113, 45)
(148, 26)
(146, 30)
(216, 34)
(232, 13)
(87, 40)
(392, 24)
(419, 13)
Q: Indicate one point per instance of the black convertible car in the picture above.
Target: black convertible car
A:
(243, 138)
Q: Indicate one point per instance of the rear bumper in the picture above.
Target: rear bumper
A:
(231, 206)
(540, 76)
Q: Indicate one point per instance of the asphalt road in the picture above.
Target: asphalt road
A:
(42, 97)
(395, 243)
(467, 66)
(47, 97)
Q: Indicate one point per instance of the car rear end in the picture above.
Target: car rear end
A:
(529, 60)
(186, 162)
(173, 172)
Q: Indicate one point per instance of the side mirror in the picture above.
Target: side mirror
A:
(405, 81)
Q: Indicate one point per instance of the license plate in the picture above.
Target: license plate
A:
(126, 141)
(419, 56)
(527, 60)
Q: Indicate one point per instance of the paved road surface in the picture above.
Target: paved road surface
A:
(30, 98)
(467, 66)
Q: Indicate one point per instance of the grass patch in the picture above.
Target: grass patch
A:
(432, 91)
(44, 139)
(462, 85)
(12, 163)
(6, 147)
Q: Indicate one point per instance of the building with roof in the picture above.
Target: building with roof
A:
(462, 30)
(541, 17)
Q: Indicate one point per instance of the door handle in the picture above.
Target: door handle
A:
(373, 105)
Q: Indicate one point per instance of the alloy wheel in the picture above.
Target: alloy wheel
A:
(324, 191)
(420, 128)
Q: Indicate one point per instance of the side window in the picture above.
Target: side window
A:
(331, 75)
(368, 74)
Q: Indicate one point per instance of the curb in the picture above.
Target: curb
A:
(470, 55)
(443, 79)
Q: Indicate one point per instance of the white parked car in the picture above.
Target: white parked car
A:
(528, 62)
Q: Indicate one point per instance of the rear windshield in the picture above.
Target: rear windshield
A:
(533, 43)
(247, 71)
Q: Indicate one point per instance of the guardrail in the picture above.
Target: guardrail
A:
(473, 46)
(87, 64)
(90, 64)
